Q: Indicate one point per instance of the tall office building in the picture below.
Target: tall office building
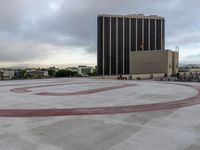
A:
(118, 36)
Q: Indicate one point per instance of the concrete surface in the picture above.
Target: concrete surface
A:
(88, 114)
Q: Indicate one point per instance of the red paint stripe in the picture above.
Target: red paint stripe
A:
(19, 84)
(27, 89)
(102, 110)
(86, 91)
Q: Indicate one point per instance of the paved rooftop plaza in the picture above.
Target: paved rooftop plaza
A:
(89, 114)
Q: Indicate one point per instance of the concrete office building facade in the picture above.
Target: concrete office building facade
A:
(150, 62)
(120, 36)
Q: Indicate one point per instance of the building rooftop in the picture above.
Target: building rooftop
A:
(98, 114)
(132, 16)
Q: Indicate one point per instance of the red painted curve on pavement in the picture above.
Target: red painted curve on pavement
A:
(27, 89)
(20, 84)
(85, 92)
(102, 110)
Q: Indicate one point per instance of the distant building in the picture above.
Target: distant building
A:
(34, 74)
(73, 69)
(18, 73)
(190, 68)
(83, 70)
(6, 74)
(119, 37)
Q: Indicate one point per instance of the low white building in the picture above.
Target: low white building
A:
(6, 74)
(84, 70)
(36, 74)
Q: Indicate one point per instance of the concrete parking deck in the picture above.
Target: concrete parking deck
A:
(88, 114)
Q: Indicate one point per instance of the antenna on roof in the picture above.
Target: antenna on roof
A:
(177, 48)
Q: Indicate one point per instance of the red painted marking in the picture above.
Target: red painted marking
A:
(102, 110)
(27, 89)
(19, 84)
(86, 91)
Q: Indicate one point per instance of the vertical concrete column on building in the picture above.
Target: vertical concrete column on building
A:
(103, 48)
(117, 45)
(161, 34)
(110, 46)
(123, 44)
(130, 45)
(155, 34)
(149, 37)
(142, 34)
(136, 24)
(97, 46)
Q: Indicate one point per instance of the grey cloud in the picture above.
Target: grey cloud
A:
(77, 21)
(186, 38)
(192, 59)
(19, 52)
(74, 24)
(195, 57)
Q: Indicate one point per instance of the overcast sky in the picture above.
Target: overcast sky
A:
(64, 31)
